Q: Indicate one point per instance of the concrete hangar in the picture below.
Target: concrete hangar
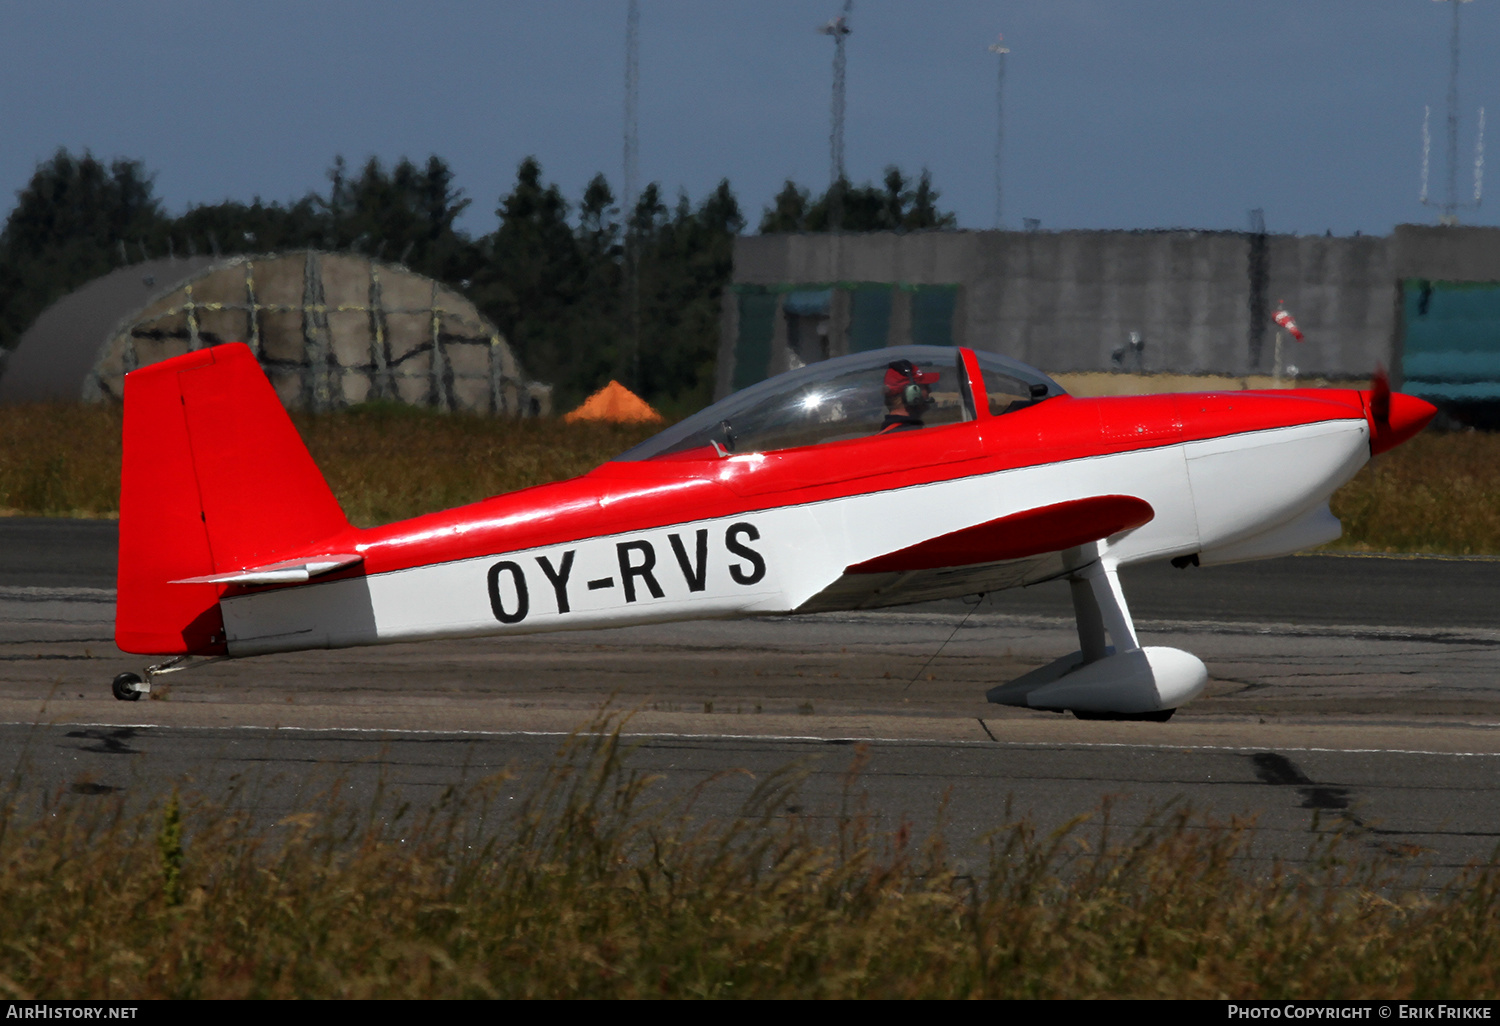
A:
(1118, 311)
(329, 329)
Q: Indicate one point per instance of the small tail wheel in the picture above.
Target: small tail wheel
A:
(124, 687)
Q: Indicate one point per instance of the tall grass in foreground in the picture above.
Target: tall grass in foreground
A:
(1437, 493)
(585, 888)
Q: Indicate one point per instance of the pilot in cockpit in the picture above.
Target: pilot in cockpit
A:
(908, 395)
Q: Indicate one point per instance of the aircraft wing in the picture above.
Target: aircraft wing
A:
(292, 571)
(1011, 551)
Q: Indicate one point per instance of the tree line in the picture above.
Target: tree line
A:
(583, 291)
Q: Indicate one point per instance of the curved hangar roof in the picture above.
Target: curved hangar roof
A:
(330, 329)
(58, 351)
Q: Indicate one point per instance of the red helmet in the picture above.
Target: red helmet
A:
(901, 375)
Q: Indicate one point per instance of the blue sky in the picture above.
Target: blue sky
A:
(1143, 114)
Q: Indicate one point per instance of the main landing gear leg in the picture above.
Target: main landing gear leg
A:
(1102, 615)
(129, 687)
(1100, 609)
(1111, 676)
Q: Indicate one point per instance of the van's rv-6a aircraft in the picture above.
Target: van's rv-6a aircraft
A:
(876, 479)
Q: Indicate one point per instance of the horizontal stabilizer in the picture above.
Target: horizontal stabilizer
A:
(1030, 532)
(292, 571)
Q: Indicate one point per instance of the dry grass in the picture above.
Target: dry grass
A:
(1438, 493)
(60, 460)
(390, 462)
(384, 462)
(585, 888)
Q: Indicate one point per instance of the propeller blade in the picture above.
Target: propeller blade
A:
(1380, 396)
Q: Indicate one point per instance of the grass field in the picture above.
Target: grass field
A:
(584, 886)
(1438, 493)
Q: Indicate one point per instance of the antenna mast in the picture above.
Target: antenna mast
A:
(1000, 50)
(632, 103)
(839, 29)
(632, 184)
(1426, 148)
(1450, 205)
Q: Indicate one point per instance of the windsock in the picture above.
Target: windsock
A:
(1284, 320)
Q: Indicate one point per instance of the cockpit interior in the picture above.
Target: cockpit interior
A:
(849, 397)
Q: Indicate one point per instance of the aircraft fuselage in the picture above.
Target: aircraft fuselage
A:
(1227, 476)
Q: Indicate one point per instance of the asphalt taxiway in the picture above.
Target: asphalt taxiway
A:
(1351, 693)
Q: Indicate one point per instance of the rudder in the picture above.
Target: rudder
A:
(214, 479)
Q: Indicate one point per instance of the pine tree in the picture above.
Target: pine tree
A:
(67, 228)
(892, 206)
(532, 279)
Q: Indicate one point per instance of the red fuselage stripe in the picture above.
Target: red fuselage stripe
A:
(623, 497)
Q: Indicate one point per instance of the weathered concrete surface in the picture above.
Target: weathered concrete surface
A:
(330, 329)
(1429, 811)
(1203, 301)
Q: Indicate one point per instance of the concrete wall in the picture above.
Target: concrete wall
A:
(1203, 301)
(916, 258)
(1446, 254)
(1066, 301)
(1343, 292)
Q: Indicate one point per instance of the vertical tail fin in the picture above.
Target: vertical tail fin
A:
(215, 478)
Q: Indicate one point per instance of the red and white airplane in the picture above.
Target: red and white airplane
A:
(876, 479)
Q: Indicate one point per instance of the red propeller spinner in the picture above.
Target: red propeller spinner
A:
(1394, 416)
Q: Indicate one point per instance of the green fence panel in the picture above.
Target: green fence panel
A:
(932, 315)
(1452, 339)
(869, 318)
(752, 351)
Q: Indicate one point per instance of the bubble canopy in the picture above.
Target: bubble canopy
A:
(845, 398)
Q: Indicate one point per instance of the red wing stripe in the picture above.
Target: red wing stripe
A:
(1028, 533)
